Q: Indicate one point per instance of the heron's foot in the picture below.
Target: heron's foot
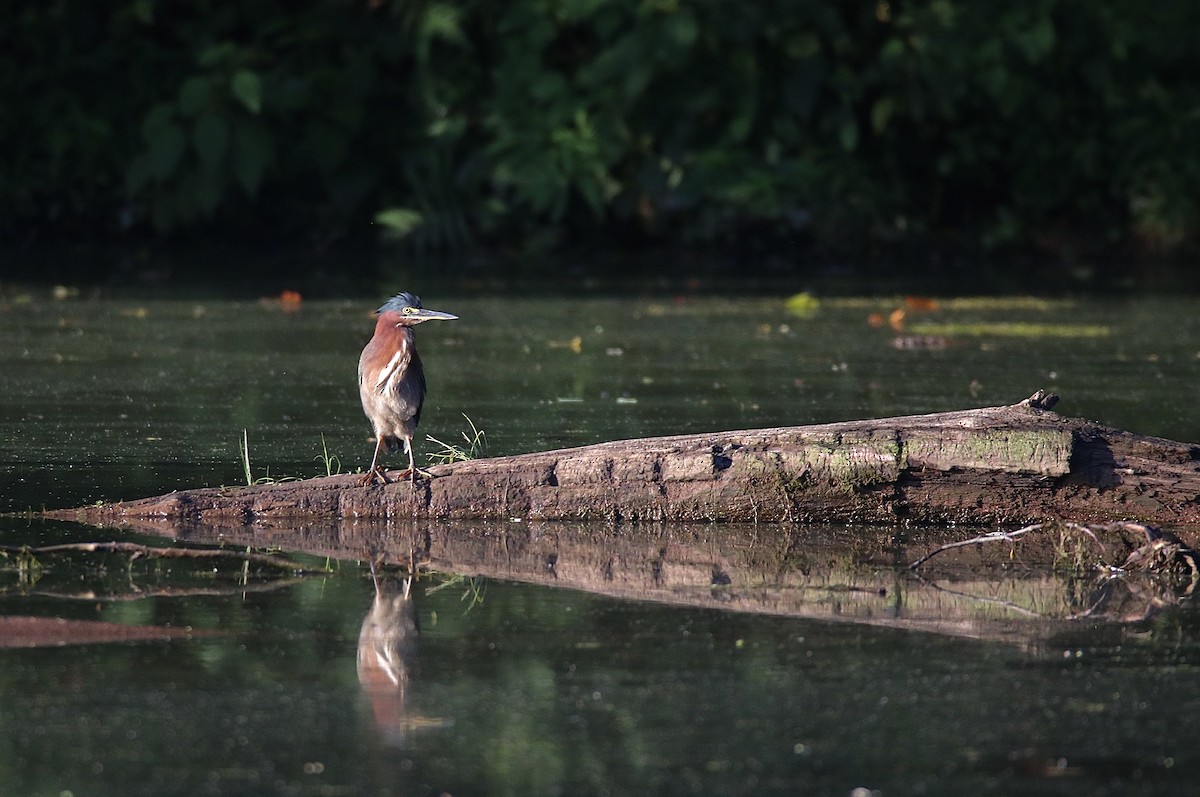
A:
(414, 475)
(375, 475)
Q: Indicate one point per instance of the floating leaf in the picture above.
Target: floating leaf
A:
(924, 304)
(1002, 303)
(972, 303)
(803, 305)
(1013, 330)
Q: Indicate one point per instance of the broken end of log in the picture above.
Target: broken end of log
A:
(1040, 400)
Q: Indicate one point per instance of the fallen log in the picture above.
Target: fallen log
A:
(1013, 464)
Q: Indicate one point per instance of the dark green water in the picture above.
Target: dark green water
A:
(543, 691)
(528, 690)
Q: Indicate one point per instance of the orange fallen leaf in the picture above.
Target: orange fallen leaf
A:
(290, 300)
(921, 303)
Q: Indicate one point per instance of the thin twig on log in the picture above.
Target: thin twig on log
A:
(991, 536)
(995, 536)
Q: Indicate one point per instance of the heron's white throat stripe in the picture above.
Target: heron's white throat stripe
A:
(397, 364)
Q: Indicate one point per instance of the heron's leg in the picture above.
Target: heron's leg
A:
(410, 472)
(413, 471)
(374, 472)
(375, 459)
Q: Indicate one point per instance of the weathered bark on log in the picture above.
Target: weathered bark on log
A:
(1014, 464)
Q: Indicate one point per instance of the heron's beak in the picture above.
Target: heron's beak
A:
(430, 315)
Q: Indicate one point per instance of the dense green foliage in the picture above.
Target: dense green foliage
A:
(531, 124)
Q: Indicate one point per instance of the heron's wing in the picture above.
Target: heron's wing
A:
(416, 386)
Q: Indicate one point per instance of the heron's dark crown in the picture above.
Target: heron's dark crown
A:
(397, 303)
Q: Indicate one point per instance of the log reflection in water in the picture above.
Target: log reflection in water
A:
(1016, 592)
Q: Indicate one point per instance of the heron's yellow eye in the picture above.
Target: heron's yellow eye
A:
(409, 310)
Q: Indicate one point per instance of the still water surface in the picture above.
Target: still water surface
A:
(522, 689)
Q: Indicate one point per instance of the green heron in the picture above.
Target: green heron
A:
(391, 382)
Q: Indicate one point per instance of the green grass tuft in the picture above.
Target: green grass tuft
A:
(332, 463)
(476, 444)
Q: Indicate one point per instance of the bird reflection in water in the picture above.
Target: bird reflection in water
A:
(387, 648)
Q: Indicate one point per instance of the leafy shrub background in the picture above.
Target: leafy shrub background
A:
(528, 125)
